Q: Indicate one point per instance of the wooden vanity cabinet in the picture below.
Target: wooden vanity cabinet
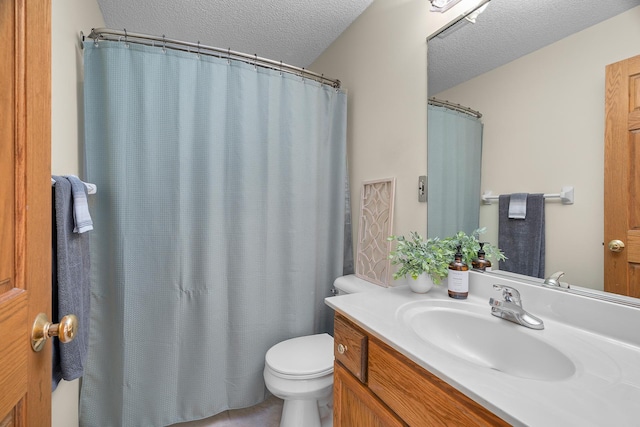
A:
(375, 386)
(355, 405)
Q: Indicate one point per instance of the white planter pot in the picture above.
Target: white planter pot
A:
(422, 284)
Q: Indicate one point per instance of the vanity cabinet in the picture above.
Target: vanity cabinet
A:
(354, 404)
(375, 385)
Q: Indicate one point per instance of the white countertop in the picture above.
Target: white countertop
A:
(603, 391)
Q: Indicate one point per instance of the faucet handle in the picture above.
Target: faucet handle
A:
(554, 280)
(509, 294)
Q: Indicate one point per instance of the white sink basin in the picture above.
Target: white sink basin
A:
(469, 331)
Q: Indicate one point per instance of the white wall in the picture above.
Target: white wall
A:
(381, 59)
(543, 120)
(69, 17)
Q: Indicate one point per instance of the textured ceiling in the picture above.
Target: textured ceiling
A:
(293, 31)
(298, 31)
(507, 30)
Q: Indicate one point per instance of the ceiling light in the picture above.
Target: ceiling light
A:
(473, 15)
(442, 5)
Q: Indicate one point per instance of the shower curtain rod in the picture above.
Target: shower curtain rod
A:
(98, 34)
(456, 107)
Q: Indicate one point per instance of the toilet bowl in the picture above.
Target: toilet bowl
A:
(300, 370)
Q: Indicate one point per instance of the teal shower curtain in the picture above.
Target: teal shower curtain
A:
(454, 159)
(218, 227)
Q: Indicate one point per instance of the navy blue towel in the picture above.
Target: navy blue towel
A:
(71, 283)
(522, 240)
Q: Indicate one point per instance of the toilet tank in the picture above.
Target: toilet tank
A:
(351, 284)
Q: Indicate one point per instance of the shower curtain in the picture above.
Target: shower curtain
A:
(454, 158)
(218, 227)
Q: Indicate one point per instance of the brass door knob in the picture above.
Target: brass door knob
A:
(42, 330)
(342, 348)
(616, 245)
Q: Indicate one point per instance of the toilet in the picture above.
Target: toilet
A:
(300, 370)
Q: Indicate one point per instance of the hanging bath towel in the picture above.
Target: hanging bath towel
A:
(522, 240)
(71, 283)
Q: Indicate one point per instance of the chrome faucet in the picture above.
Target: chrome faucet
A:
(554, 280)
(510, 308)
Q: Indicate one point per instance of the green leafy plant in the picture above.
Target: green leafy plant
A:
(433, 256)
(416, 256)
(470, 245)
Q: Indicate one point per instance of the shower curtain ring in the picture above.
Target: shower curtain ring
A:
(229, 56)
(164, 44)
(281, 68)
(198, 49)
(255, 62)
(126, 40)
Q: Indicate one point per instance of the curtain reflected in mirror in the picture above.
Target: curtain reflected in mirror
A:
(454, 157)
(543, 115)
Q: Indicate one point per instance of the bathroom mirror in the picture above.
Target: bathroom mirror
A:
(535, 70)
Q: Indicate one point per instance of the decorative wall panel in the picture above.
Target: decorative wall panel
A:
(376, 220)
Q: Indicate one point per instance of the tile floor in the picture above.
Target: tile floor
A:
(265, 414)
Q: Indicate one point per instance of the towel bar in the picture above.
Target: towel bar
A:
(565, 195)
(91, 188)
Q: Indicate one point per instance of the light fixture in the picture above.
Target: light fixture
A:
(461, 20)
(442, 5)
(473, 15)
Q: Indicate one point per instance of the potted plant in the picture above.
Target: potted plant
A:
(427, 260)
(470, 245)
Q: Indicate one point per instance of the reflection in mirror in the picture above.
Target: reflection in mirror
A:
(574, 289)
(543, 112)
(454, 179)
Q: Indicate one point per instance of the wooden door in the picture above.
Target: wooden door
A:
(25, 215)
(622, 178)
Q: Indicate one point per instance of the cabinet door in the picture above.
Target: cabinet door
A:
(356, 406)
(419, 397)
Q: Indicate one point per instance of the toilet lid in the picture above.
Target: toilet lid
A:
(308, 356)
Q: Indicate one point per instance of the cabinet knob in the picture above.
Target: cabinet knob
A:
(342, 348)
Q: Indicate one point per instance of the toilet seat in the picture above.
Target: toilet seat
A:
(302, 358)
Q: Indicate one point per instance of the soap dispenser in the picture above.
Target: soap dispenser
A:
(458, 282)
(481, 263)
